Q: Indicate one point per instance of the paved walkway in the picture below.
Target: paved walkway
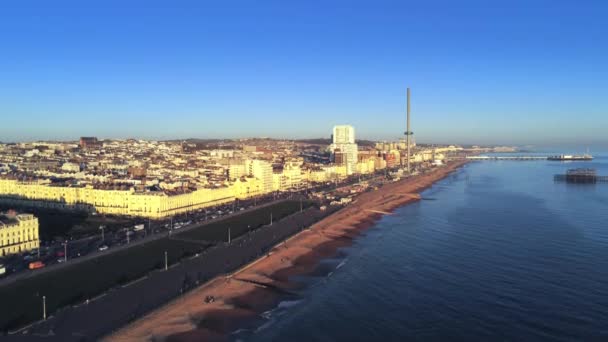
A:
(121, 305)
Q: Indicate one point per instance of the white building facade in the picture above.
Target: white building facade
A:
(261, 170)
(344, 142)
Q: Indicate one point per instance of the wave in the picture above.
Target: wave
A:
(280, 309)
(342, 263)
(289, 303)
(264, 326)
(240, 331)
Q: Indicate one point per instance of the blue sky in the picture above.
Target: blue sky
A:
(505, 72)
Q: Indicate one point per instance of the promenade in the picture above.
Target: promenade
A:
(241, 297)
(100, 316)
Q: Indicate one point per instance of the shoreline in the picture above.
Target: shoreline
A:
(240, 297)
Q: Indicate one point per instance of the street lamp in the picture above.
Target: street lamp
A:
(102, 232)
(65, 251)
(44, 308)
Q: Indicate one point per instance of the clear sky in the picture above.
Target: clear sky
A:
(512, 72)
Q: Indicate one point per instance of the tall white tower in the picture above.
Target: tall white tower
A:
(408, 132)
(344, 140)
(344, 134)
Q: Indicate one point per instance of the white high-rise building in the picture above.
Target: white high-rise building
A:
(261, 170)
(344, 142)
(344, 134)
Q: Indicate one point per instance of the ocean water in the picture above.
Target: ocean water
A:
(495, 252)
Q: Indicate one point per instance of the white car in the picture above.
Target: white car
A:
(103, 248)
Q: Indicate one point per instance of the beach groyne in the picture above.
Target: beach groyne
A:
(227, 303)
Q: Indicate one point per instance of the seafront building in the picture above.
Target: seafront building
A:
(261, 170)
(343, 134)
(344, 149)
(160, 179)
(117, 201)
(18, 233)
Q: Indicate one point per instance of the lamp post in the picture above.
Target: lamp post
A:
(44, 308)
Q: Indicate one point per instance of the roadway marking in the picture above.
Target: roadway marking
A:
(135, 281)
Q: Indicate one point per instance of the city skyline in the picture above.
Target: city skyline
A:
(193, 71)
(300, 171)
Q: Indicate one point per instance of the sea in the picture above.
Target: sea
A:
(497, 251)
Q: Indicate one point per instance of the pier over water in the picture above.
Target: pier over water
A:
(507, 157)
(585, 176)
(561, 157)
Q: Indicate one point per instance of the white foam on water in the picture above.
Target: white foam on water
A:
(342, 263)
(267, 314)
(264, 326)
(239, 331)
(289, 303)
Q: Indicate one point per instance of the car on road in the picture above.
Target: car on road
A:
(35, 265)
(103, 248)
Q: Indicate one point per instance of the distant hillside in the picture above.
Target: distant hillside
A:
(318, 141)
(196, 141)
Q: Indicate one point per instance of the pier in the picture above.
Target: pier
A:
(507, 158)
(581, 176)
(561, 157)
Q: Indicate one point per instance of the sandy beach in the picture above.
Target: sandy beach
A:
(226, 303)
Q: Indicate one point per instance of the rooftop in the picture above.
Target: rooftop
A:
(12, 218)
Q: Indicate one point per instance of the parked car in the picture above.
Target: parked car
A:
(36, 264)
(103, 248)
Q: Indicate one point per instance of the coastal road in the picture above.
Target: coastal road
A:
(71, 261)
(121, 305)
